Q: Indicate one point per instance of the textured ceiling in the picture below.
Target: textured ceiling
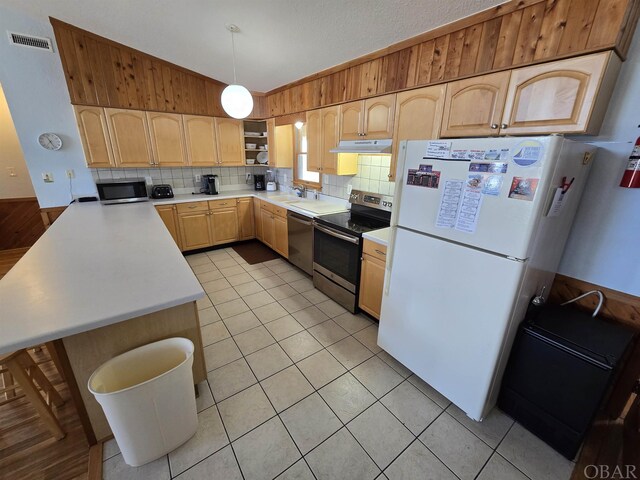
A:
(281, 40)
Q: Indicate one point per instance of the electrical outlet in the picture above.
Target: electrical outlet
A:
(248, 179)
(197, 178)
(47, 177)
(71, 174)
(12, 171)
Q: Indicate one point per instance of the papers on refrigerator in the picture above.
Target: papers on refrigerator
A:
(449, 203)
(438, 149)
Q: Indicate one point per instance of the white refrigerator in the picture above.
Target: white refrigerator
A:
(478, 229)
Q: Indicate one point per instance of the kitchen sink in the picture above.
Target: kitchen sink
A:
(285, 198)
(316, 206)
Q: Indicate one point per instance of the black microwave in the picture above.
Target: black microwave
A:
(125, 190)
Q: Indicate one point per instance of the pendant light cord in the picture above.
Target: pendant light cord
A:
(233, 49)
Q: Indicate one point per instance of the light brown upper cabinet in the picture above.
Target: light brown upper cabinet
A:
(418, 116)
(314, 141)
(473, 107)
(245, 218)
(568, 96)
(330, 129)
(94, 133)
(369, 119)
(280, 142)
(129, 133)
(230, 138)
(200, 137)
(167, 139)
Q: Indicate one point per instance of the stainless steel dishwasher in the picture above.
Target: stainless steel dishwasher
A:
(300, 230)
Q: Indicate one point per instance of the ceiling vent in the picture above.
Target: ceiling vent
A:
(23, 40)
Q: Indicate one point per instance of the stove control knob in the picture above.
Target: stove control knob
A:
(389, 204)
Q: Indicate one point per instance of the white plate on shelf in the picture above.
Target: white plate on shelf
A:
(252, 134)
(262, 157)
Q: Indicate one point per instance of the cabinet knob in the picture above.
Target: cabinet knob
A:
(494, 126)
(389, 175)
(503, 125)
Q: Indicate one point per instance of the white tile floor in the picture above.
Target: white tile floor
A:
(298, 389)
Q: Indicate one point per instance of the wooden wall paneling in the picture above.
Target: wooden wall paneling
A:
(66, 47)
(99, 80)
(409, 61)
(579, 23)
(390, 73)
(137, 78)
(167, 81)
(84, 68)
(488, 45)
(151, 97)
(177, 90)
(454, 54)
(369, 78)
(440, 54)
(129, 79)
(470, 49)
(528, 34)
(425, 62)
(104, 57)
(507, 40)
(20, 222)
(353, 83)
(118, 78)
(552, 28)
(625, 35)
(610, 14)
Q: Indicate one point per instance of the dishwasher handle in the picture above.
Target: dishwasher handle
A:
(300, 219)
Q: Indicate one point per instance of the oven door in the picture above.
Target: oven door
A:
(337, 252)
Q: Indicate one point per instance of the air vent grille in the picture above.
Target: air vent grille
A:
(30, 41)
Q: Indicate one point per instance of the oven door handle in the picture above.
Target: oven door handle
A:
(341, 236)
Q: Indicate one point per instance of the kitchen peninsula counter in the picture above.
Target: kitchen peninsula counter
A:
(100, 281)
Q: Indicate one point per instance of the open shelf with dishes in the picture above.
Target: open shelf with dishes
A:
(256, 145)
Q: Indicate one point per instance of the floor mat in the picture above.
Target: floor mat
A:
(255, 252)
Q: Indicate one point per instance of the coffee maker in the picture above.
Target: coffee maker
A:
(210, 184)
(258, 182)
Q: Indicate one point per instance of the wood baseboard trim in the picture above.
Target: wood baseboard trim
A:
(95, 462)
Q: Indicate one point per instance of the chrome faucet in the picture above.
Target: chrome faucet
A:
(300, 190)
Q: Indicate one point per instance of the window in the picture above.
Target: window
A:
(300, 172)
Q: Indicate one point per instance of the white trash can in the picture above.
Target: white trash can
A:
(148, 397)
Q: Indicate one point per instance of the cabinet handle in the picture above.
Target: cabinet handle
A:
(380, 252)
(192, 206)
(389, 176)
(494, 126)
(503, 125)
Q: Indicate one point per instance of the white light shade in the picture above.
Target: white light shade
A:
(237, 101)
(298, 125)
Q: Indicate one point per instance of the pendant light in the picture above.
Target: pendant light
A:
(236, 99)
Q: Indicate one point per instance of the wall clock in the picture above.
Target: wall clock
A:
(50, 141)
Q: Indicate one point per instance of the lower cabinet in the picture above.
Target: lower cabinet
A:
(169, 215)
(246, 229)
(203, 224)
(194, 222)
(281, 235)
(372, 277)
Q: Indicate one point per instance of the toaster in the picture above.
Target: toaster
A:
(161, 191)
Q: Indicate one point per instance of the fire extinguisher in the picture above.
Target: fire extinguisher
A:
(631, 177)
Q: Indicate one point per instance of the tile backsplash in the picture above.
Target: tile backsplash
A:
(371, 177)
(182, 179)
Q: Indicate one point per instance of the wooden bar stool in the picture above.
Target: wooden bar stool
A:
(29, 377)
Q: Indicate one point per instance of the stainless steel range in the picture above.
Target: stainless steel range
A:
(337, 245)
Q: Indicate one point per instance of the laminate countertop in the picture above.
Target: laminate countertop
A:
(379, 236)
(95, 266)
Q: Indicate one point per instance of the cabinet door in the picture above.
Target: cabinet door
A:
(94, 133)
(330, 126)
(314, 141)
(169, 216)
(224, 225)
(371, 285)
(245, 218)
(555, 97)
(129, 133)
(281, 236)
(418, 117)
(195, 230)
(200, 137)
(473, 107)
(268, 228)
(257, 218)
(378, 117)
(167, 139)
(230, 137)
(352, 120)
(283, 142)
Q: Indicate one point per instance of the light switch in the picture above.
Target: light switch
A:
(12, 171)
(47, 177)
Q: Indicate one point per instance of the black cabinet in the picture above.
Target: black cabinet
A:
(560, 369)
